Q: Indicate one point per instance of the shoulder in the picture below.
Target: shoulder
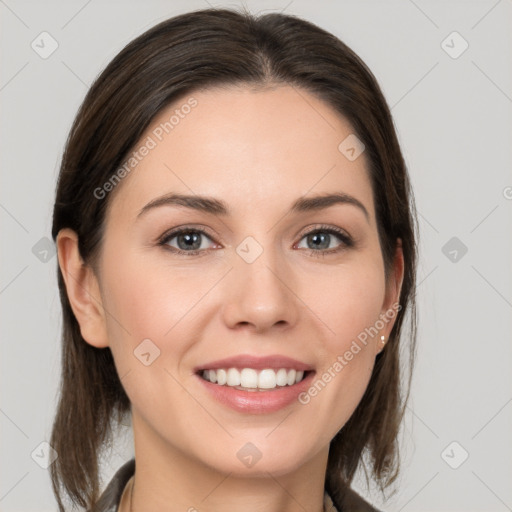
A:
(348, 501)
(111, 496)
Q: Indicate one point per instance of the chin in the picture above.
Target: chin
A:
(258, 458)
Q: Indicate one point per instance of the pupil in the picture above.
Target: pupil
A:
(190, 240)
(324, 237)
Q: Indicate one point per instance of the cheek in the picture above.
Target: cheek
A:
(349, 303)
(147, 300)
(147, 310)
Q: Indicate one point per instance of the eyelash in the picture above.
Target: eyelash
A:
(346, 240)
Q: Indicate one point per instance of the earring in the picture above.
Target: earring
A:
(383, 339)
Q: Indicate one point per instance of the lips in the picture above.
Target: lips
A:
(253, 384)
(274, 362)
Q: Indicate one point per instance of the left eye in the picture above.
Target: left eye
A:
(322, 238)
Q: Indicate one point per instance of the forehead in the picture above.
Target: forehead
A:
(252, 148)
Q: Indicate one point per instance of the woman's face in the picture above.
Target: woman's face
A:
(256, 279)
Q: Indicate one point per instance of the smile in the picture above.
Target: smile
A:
(250, 379)
(244, 394)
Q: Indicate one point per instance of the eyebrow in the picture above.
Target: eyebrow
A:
(218, 207)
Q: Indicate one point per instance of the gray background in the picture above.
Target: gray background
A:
(453, 116)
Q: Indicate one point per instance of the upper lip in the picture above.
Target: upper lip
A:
(257, 362)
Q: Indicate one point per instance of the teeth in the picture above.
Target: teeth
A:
(282, 377)
(233, 377)
(267, 379)
(222, 377)
(248, 378)
(251, 379)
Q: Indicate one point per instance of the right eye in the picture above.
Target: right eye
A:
(185, 241)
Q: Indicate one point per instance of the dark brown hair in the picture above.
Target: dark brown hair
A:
(191, 52)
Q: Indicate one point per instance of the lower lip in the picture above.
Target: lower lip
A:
(257, 402)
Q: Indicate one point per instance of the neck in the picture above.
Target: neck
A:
(166, 478)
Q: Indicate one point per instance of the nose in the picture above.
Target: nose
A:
(259, 295)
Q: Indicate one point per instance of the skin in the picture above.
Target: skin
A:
(258, 151)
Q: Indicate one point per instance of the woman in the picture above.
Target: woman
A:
(236, 241)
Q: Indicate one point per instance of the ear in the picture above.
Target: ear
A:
(82, 289)
(391, 305)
